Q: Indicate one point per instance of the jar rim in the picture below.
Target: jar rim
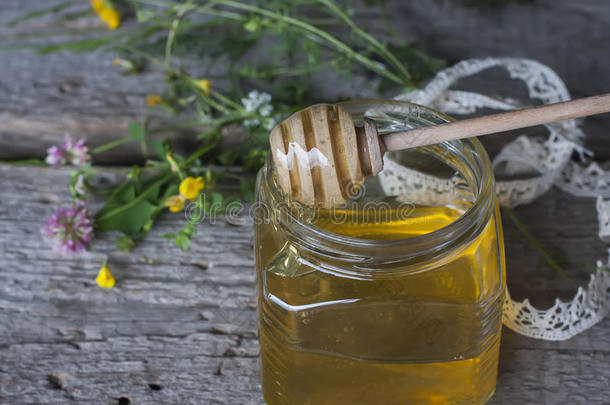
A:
(415, 249)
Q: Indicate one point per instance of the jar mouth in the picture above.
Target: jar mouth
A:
(374, 254)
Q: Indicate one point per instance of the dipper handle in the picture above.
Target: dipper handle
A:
(500, 122)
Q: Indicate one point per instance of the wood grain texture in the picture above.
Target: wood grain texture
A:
(335, 171)
(44, 96)
(498, 122)
(173, 333)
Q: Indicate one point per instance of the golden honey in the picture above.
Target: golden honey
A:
(383, 303)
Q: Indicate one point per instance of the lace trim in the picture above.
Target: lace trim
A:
(564, 319)
(543, 163)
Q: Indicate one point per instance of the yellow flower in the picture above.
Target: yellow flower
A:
(205, 85)
(189, 190)
(104, 278)
(153, 100)
(175, 203)
(190, 187)
(107, 13)
(98, 5)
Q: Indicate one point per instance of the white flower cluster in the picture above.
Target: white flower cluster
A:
(259, 103)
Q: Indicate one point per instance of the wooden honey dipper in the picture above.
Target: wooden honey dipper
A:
(321, 158)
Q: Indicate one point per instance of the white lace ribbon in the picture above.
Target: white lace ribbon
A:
(544, 163)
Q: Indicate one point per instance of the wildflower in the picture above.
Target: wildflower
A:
(54, 156)
(175, 203)
(153, 100)
(70, 229)
(204, 85)
(107, 13)
(190, 187)
(265, 110)
(69, 152)
(104, 278)
(189, 190)
(258, 103)
(256, 100)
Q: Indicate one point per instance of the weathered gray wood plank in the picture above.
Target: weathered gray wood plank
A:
(44, 96)
(192, 332)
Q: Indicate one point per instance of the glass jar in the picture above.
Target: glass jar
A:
(393, 298)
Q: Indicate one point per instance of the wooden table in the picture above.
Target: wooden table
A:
(172, 332)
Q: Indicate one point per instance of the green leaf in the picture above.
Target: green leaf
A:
(122, 194)
(131, 212)
(125, 244)
(182, 241)
(217, 200)
(190, 229)
(129, 221)
(120, 205)
(159, 148)
(136, 132)
(183, 238)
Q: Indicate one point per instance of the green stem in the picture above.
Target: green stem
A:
(24, 162)
(288, 71)
(534, 242)
(136, 200)
(378, 46)
(174, 165)
(228, 101)
(116, 191)
(203, 149)
(110, 145)
(294, 24)
(202, 10)
(181, 11)
(192, 82)
(216, 105)
(181, 125)
(171, 37)
(136, 51)
(199, 123)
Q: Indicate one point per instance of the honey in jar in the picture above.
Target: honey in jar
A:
(394, 297)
